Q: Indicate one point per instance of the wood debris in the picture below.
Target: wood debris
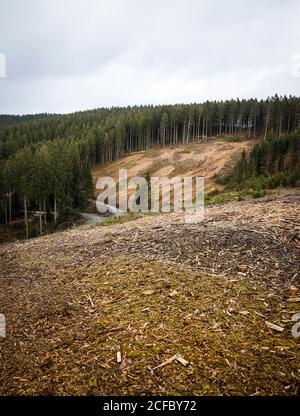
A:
(148, 292)
(90, 318)
(176, 357)
(274, 326)
(90, 300)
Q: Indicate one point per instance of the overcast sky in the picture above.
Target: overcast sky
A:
(68, 55)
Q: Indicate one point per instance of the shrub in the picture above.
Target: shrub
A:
(258, 193)
(240, 196)
(212, 193)
(69, 214)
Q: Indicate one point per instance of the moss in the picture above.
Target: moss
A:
(134, 354)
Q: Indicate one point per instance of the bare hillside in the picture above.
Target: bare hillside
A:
(197, 159)
(191, 308)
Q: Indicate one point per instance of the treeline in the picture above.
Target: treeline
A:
(46, 160)
(10, 120)
(271, 163)
(111, 133)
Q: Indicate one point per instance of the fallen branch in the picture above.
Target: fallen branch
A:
(274, 326)
(90, 300)
(176, 357)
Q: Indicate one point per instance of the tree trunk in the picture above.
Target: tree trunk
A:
(198, 126)
(254, 126)
(5, 210)
(9, 205)
(40, 217)
(26, 217)
(267, 126)
(188, 131)
(55, 210)
(45, 212)
(280, 127)
(289, 122)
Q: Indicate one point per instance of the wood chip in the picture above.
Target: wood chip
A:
(293, 289)
(90, 300)
(274, 326)
(148, 292)
(180, 359)
(119, 357)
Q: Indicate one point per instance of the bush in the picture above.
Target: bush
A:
(69, 214)
(213, 193)
(33, 232)
(240, 196)
(258, 193)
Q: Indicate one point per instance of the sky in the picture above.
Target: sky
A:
(61, 56)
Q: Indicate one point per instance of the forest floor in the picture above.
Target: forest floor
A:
(187, 308)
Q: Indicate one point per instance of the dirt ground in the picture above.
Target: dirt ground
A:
(194, 298)
(195, 159)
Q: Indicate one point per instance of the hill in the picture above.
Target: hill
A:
(46, 159)
(196, 159)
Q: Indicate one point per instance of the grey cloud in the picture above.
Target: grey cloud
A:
(69, 55)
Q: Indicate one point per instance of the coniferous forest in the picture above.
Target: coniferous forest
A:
(46, 159)
(271, 163)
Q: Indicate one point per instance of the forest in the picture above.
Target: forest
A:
(271, 163)
(46, 159)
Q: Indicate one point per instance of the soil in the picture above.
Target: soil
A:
(195, 159)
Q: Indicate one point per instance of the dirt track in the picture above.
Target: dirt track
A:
(150, 289)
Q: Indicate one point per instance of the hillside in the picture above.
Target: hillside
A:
(46, 159)
(186, 305)
(196, 159)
